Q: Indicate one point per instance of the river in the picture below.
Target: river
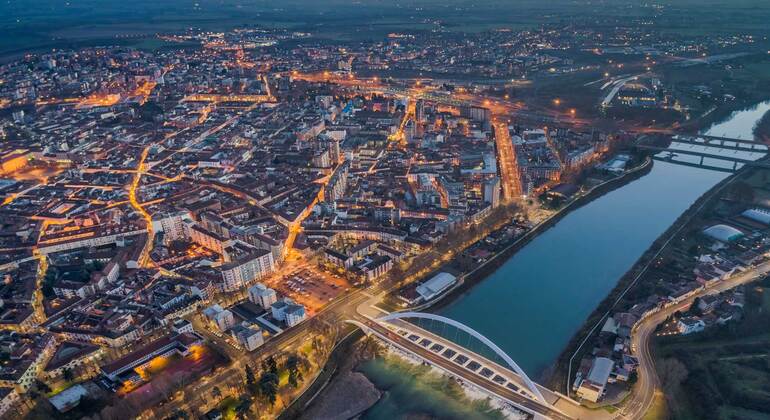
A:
(535, 302)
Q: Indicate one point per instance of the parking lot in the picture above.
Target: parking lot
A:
(310, 287)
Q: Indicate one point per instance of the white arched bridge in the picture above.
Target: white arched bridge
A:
(504, 379)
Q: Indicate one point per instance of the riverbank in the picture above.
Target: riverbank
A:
(622, 294)
(337, 364)
(762, 129)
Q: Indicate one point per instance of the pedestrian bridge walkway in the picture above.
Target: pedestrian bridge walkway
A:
(471, 358)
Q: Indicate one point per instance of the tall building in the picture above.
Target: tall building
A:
(338, 183)
(492, 191)
(334, 151)
(171, 224)
(246, 269)
(475, 113)
(419, 110)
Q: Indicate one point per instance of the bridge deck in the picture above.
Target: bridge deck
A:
(695, 165)
(741, 145)
(741, 141)
(498, 386)
(755, 163)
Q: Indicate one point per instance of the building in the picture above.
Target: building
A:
(337, 258)
(437, 284)
(27, 354)
(475, 113)
(94, 236)
(176, 343)
(758, 215)
(205, 238)
(181, 326)
(690, 325)
(723, 233)
(492, 191)
(222, 318)
(9, 400)
(338, 183)
(372, 267)
(70, 355)
(287, 311)
(592, 387)
(247, 269)
(171, 224)
(69, 398)
(294, 314)
(249, 337)
(262, 295)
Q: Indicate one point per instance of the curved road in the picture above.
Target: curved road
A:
(644, 393)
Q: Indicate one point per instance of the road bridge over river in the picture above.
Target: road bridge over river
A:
(479, 363)
(735, 152)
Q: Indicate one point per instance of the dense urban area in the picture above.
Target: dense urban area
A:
(254, 222)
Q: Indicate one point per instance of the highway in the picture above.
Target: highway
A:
(643, 395)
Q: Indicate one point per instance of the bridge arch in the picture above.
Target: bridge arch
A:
(530, 384)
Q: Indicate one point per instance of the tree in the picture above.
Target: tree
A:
(67, 373)
(633, 377)
(672, 374)
(370, 347)
(243, 407)
(293, 366)
(251, 382)
(268, 387)
(270, 365)
(43, 387)
(178, 414)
